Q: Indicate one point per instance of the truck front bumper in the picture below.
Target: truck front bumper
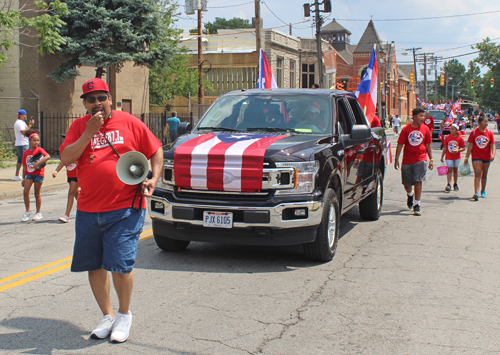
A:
(276, 225)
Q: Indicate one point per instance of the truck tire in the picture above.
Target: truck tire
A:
(371, 206)
(324, 247)
(169, 244)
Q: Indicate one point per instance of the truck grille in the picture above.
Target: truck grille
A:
(221, 195)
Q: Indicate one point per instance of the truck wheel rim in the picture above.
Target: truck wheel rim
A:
(332, 226)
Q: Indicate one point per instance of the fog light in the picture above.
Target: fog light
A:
(300, 212)
(158, 206)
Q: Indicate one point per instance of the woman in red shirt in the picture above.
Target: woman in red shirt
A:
(453, 144)
(482, 146)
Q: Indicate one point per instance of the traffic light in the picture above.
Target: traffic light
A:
(492, 82)
(411, 78)
(441, 80)
(381, 86)
(472, 83)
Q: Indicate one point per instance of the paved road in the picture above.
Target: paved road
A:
(400, 285)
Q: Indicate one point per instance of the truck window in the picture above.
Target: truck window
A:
(343, 117)
(356, 110)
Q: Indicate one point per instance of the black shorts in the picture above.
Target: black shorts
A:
(72, 179)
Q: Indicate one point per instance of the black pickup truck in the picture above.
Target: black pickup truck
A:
(270, 167)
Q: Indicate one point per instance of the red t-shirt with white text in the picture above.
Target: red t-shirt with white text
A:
(451, 144)
(29, 166)
(482, 144)
(101, 189)
(414, 140)
(71, 170)
(447, 124)
(429, 122)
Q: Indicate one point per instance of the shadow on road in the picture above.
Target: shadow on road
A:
(42, 336)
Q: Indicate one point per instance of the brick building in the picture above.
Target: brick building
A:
(395, 95)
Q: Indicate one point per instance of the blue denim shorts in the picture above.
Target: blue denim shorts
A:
(107, 240)
(35, 178)
(20, 151)
(452, 163)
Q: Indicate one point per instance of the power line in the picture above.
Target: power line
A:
(273, 13)
(424, 18)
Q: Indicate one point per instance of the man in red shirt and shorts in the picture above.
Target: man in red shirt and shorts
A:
(109, 218)
(416, 140)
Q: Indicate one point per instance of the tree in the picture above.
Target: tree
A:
(110, 33)
(46, 22)
(174, 78)
(455, 72)
(489, 56)
(221, 22)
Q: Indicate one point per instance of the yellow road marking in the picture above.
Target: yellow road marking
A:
(67, 263)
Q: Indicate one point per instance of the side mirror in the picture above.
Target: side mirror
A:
(183, 128)
(360, 134)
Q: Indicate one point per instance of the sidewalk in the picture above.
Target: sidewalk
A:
(10, 188)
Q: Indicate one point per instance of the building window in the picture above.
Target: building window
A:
(279, 72)
(307, 75)
(292, 74)
(394, 101)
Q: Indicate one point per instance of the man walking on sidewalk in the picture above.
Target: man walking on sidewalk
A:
(22, 142)
(416, 139)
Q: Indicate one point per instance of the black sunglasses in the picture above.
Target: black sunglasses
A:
(101, 98)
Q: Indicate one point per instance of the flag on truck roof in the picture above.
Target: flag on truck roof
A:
(266, 77)
(367, 89)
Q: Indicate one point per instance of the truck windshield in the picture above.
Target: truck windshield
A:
(299, 114)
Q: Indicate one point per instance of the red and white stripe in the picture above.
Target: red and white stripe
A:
(207, 163)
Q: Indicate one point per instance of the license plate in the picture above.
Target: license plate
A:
(217, 219)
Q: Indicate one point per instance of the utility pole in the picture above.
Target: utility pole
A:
(436, 87)
(319, 22)
(200, 60)
(425, 77)
(258, 27)
(414, 61)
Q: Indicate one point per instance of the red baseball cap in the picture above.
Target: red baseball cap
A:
(92, 85)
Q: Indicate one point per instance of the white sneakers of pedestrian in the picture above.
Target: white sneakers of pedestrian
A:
(26, 216)
(38, 216)
(121, 328)
(18, 178)
(104, 328)
(64, 218)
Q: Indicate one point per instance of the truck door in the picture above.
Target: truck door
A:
(349, 161)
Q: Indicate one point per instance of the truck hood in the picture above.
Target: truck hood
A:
(291, 148)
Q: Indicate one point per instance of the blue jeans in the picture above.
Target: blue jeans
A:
(107, 240)
(173, 135)
(20, 149)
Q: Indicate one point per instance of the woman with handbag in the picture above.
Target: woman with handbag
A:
(483, 149)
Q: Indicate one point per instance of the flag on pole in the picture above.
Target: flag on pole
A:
(266, 77)
(367, 89)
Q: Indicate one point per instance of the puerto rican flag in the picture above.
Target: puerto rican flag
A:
(367, 89)
(266, 77)
(388, 153)
(222, 162)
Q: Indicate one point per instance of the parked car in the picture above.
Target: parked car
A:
(311, 157)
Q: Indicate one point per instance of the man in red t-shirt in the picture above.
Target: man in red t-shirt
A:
(429, 121)
(416, 139)
(109, 217)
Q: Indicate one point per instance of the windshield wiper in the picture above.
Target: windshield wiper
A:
(221, 129)
(271, 129)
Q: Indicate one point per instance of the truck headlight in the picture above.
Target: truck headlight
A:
(304, 176)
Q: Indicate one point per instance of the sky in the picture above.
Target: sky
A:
(445, 37)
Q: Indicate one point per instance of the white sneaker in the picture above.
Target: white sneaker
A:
(26, 216)
(38, 216)
(18, 178)
(104, 328)
(121, 329)
(64, 218)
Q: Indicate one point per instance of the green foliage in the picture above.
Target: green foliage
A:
(221, 22)
(47, 22)
(112, 32)
(489, 56)
(6, 151)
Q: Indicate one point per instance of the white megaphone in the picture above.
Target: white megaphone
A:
(132, 168)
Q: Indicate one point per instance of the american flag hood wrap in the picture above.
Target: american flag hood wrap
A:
(222, 162)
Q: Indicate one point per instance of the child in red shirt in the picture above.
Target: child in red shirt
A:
(483, 149)
(453, 145)
(33, 173)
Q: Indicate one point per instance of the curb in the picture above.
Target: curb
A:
(13, 194)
